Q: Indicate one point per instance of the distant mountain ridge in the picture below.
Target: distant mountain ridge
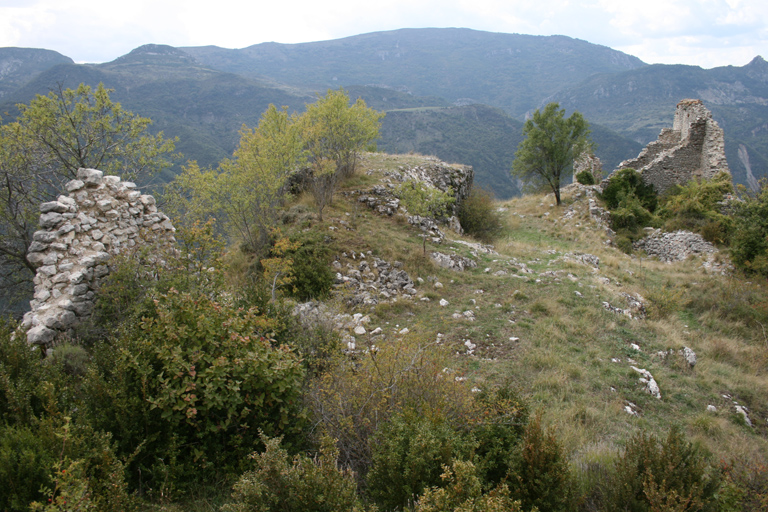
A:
(460, 94)
(19, 65)
(510, 71)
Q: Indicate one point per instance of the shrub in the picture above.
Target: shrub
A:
(311, 269)
(694, 207)
(655, 475)
(408, 455)
(190, 387)
(25, 459)
(498, 424)
(353, 398)
(585, 177)
(749, 243)
(630, 214)
(539, 475)
(628, 182)
(303, 483)
(462, 491)
(478, 216)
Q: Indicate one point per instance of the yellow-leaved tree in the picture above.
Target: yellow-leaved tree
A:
(335, 133)
(244, 194)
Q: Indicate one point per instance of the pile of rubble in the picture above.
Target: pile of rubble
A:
(371, 280)
(677, 246)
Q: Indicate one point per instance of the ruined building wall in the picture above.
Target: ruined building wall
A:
(100, 217)
(693, 148)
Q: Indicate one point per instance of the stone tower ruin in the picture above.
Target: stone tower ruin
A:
(693, 148)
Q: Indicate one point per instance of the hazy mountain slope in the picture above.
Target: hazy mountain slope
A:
(19, 65)
(510, 71)
(205, 108)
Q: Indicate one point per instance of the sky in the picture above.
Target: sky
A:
(705, 33)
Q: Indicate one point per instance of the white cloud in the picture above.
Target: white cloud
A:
(705, 32)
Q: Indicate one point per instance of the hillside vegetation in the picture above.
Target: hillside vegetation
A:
(516, 371)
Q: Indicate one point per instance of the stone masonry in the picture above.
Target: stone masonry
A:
(693, 148)
(100, 217)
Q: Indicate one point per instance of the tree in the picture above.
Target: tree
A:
(245, 193)
(552, 142)
(52, 137)
(335, 133)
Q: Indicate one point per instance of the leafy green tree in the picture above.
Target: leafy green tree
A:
(244, 194)
(335, 133)
(545, 156)
(51, 139)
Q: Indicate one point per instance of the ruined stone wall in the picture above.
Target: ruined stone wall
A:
(693, 148)
(100, 217)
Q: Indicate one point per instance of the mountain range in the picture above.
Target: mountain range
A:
(460, 94)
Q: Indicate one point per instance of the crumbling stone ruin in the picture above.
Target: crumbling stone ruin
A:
(433, 172)
(100, 217)
(587, 161)
(693, 148)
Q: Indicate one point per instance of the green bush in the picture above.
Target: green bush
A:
(498, 425)
(311, 270)
(585, 178)
(630, 214)
(749, 242)
(694, 207)
(462, 491)
(189, 388)
(628, 182)
(303, 483)
(478, 216)
(25, 461)
(655, 475)
(539, 475)
(409, 453)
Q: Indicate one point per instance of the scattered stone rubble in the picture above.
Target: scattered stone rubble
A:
(80, 232)
(372, 281)
(433, 173)
(693, 148)
(677, 246)
(635, 307)
(453, 261)
(650, 383)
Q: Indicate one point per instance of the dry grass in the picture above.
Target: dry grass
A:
(565, 343)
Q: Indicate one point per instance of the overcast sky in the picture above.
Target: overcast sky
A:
(707, 33)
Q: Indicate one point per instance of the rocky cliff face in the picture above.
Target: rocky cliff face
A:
(693, 148)
(100, 217)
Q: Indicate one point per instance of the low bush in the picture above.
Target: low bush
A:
(462, 491)
(749, 242)
(355, 397)
(585, 177)
(628, 182)
(694, 207)
(280, 483)
(189, 388)
(408, 455)
(312, 277)
(653, 475)
(478, 216)
(539, 474)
